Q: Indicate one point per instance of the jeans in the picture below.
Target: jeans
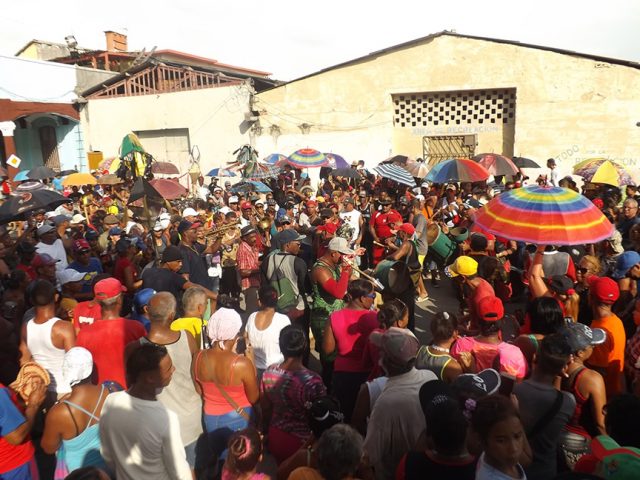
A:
(220, 428)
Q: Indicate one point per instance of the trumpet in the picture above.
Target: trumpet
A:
(216, 232)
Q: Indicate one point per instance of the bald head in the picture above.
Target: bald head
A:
(162, 308)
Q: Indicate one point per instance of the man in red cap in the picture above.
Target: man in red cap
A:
(247, 217)
(107, 339)
(382, 222)
(608, 357)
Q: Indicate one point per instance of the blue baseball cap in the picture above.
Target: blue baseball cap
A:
(115, 231)
(624, 263)
(142, 298)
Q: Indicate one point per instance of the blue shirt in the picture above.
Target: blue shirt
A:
(91, 270)
(10, 416)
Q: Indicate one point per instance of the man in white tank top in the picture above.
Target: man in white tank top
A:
(45, 338)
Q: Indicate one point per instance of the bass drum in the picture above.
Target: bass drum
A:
(440, 244)
(394, 276)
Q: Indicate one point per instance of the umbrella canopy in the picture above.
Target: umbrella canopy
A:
(250, 186)
(164, 168)
(345, 172)
(397, 160)
(109, 179)
(221, 172)
(336, 161)
(265, 171)
(169, 189)
(20, 205)
(544, 216)
(21, 176)
(274, 158)
(41, 173)
(601, 170)
(496, 164)
(307, 158)
(522, 162)
(416, 169)
(395, 173)
(64, 173)
(79, 179)
(457, 170)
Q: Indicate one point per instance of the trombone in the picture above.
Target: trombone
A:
(217, 232)
(376, 283)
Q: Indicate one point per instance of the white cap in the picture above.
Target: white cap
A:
(164, 216)
(420, 197)
(225, 210)
(233, 199)
(78, 218)
(189, 212)
(158, 226)
(69, 275)
(217, 189)
(260, 202)
(50, 214)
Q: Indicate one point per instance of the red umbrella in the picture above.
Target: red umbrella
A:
(164, 168)
(168, 188)
(496, 164)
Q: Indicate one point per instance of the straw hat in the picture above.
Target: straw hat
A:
(29, 372)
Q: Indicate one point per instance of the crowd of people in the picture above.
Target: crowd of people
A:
(240, 335)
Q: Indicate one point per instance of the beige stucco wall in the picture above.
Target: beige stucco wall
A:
(568, 107)
(214, 118)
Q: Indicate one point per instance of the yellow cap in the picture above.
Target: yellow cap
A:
(465, 266)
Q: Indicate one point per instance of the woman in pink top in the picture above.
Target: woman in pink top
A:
(347, 332)
(488, 350)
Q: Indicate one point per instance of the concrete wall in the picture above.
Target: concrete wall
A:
(214, 118)
(24, 80)
(568, 107)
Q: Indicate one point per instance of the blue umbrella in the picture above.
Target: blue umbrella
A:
(265, 171)
(221, 172)
(395, 173)
(250, 186)
(21, 176)
(274, 158)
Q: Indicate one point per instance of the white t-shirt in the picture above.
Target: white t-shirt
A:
(265, 343)
(55, 250)
(353, 219)
(141, 439)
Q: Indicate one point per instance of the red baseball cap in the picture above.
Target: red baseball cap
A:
(312, 203)
(43, 260)
(490, 309)
(394, 217)
(407, 228)
(80, 245)
(246, 206)
(108, 288)
(604, 289)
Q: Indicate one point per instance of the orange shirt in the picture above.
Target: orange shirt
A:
(609, 356)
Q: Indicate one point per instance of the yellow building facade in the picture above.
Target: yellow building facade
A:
(450, 94)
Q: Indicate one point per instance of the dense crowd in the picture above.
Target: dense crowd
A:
(184, 343)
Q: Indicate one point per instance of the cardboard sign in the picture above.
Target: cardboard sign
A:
(13, 161)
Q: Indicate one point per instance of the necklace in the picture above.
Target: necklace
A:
(438, 348)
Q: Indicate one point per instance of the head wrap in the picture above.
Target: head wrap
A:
(77, 365)
(224, 324)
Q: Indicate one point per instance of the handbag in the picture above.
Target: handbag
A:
(238, 409)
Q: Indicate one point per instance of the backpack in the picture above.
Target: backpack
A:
(287, 297)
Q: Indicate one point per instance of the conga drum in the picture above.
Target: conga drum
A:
(439, 243)
(394, 276)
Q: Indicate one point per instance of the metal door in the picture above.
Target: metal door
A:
(438, 148)
(49, 147)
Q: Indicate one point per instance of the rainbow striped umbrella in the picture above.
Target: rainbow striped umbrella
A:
(307, 158)
(544, 216)
(496, 164)
(274, 158)
(457, 170)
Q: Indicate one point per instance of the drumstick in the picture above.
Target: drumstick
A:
(379, 244)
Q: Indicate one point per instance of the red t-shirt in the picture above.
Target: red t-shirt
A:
(106, 340)
(351, 329)
(11, 417)
(86, 313)
(484, 289)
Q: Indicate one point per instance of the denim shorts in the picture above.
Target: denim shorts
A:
(220, 427)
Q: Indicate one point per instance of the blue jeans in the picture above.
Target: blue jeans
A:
(220, 428)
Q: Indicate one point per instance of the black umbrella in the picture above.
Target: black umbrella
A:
(345, 172)
(64, 173)
(522, 162)
(142, 188)
(40, 173)
(20, 205)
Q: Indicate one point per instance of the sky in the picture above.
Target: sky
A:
(293, 38)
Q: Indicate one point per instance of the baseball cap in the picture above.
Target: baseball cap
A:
(217, 189)
(171, 254)
(110, 220)
(580, 336)
(60, 219)
(320, 199)
(463, 265)
(78, 218)
(108, 288)
(618, 463)
(399, 345)
(81, 244)
(246, 205)
(91, 234)
(233, 199)
(312, 203)
(259, 203)
(385, 201)
(142, 298)
(43, 260)
(407, 228)
(561, 284)
(248, 230)
(69, 275)
(283, 219)
(187, 225)
(434, 393)
(123, 245)
(603, 289)
(624, 263)
(339, 244)
(45, 228)
(157, 227)
(286, 236)
(476, 385)
(189, 212)
(490, 309)
(348, 200)
(115, 231)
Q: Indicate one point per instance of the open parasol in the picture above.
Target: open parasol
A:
(264, 171)
(395, 173)
(602, 170)
(250, 186)
(41, 173)
(306, 158)
(164, 168)
(21, 204)
(274, 158)
(336, 161)
(415, 168)
(544, 215)
(21, 176)
(457, 170)
(345, 172)
(522, 162)
(79, 179)
(496, 164)
(169, 189)
(221, 172)
(109, 179)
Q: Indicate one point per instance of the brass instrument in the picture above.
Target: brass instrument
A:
(377, 283)
(216, 232)
(264, 224)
